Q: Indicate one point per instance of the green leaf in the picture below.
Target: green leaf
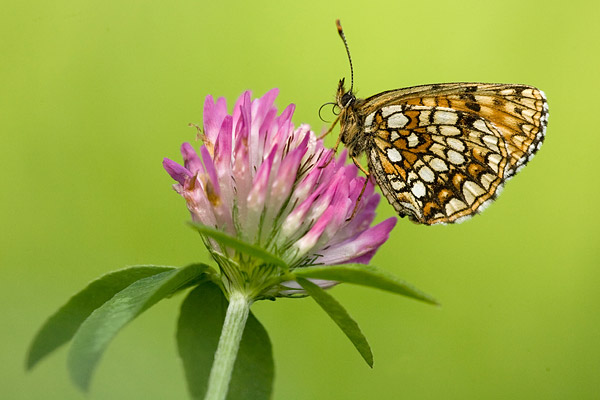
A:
(105, 322)
(239, 245)
(341, 317)
(366, 275)
(198, 331)
(63, 324)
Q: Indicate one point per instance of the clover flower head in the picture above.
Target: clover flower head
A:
(260, 179)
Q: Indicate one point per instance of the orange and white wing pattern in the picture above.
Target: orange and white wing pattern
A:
(441, 153)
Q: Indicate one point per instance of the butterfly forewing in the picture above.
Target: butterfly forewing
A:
(441, 153)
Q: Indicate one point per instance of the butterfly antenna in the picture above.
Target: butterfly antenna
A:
(341, 33)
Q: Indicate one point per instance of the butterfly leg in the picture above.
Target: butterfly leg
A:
(367, 177)
(330, 128)
(337, 144)
(363, 169)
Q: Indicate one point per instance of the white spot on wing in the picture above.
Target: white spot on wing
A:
(369, 121)
(426, 174)
(456, 144)
(490, 143)
(481, 126)
(468, 196)
(518, 140)
(385, 111)
(409, 206)
(445, 118)
(527, 93)
(394, 155)
(419, 189)
(494, 161)
(454, 206)
(438, 149)
(424, 118)
(450, 130)
(438, 164)
(490, 140)
(487, 180)
(528, 113)
(397, 120)
(472, 191)
(455, 157)
(397, 184)
(413, 140)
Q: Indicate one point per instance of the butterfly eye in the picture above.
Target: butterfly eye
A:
(347, 99)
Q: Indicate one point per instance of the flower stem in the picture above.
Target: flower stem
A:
(229, 343)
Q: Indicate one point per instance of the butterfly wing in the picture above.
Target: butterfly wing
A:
(436, 164)
(519, 112)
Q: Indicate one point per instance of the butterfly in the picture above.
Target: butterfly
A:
(441, 153)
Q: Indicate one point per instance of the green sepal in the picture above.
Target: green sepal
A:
(96, 332)
(198, 331)
(366, 275)
(341, 317)
(62, 325)
(239, 245)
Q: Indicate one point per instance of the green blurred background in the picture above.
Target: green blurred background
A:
(94, 94)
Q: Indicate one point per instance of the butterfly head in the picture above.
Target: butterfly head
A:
(344, 99)
(351, 134)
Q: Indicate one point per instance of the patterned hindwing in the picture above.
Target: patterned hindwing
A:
(519, 112)
(436, 164)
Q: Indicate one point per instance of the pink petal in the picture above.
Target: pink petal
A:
(283, 183)
(308, 241)
(365, 242)
(210, 169)
(213, 117)
(257, 198)
(190, 158)
(176, 171)
(198, 204)
(263, 113)
(222, 161)
(259, 192)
